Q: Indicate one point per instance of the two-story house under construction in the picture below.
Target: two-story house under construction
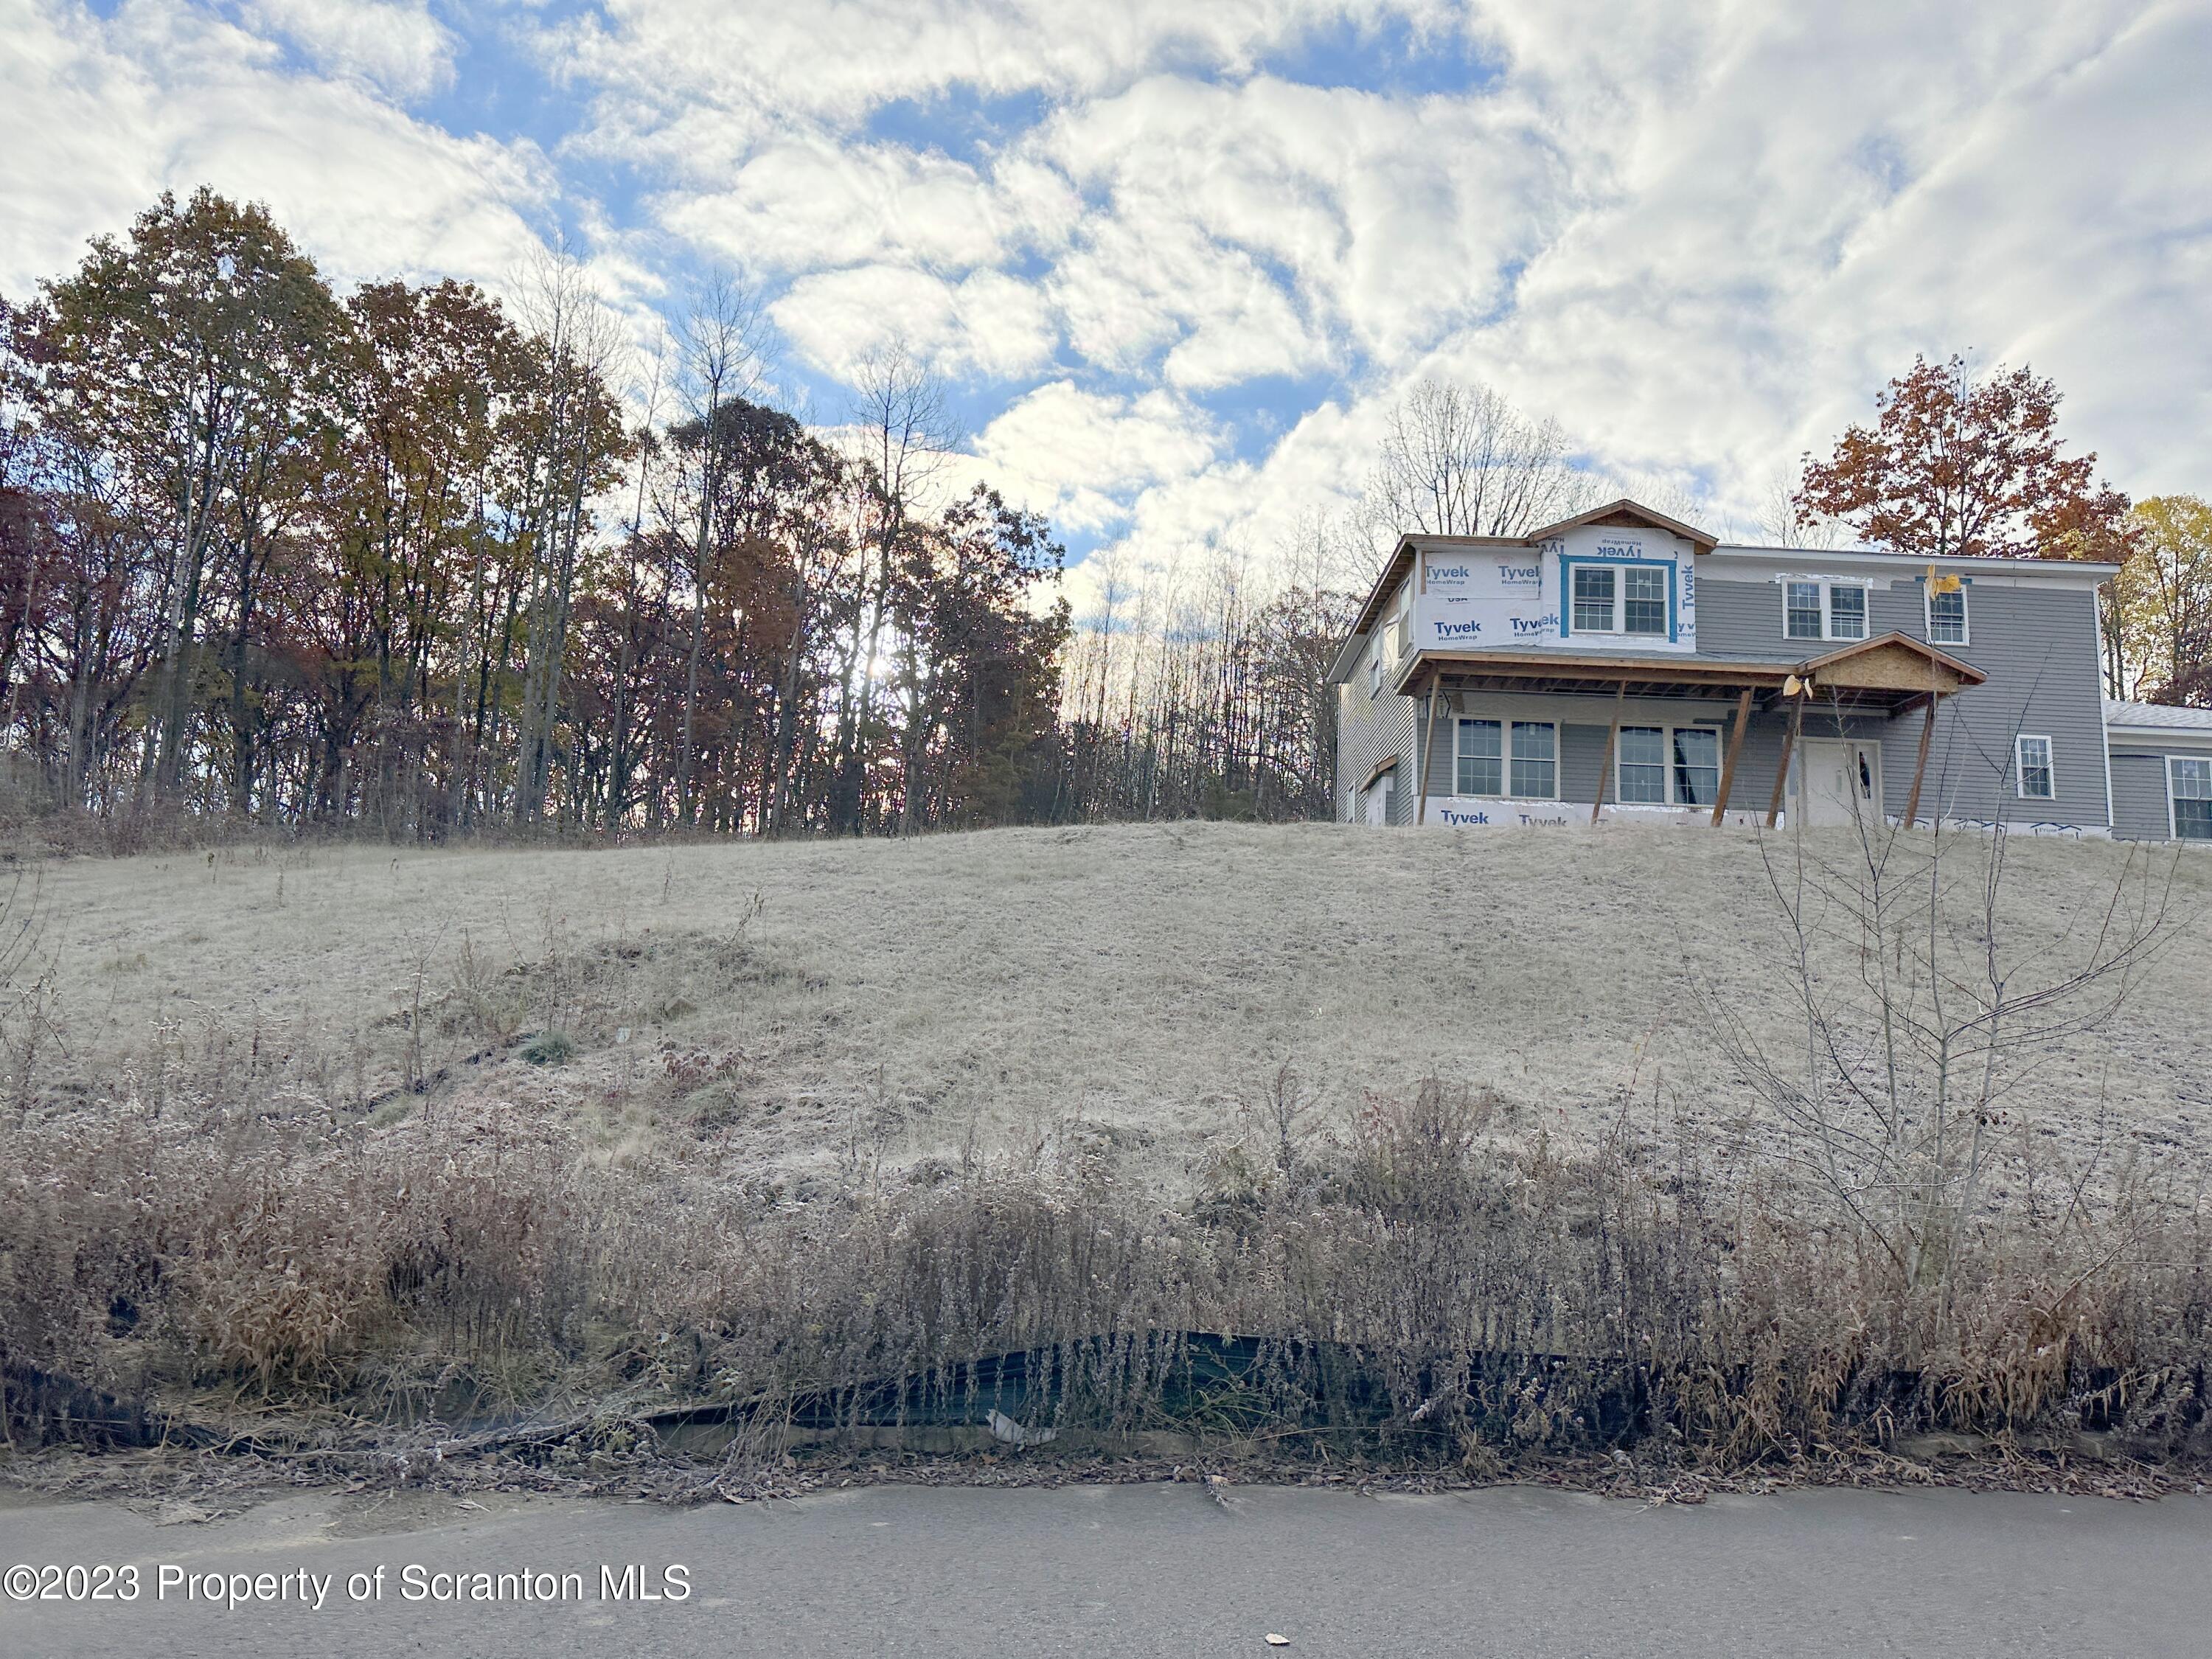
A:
(1622, 665)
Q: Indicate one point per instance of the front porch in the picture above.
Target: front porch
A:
(1528, 738)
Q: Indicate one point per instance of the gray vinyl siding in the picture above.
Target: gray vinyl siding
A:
(1585, 722)
(2037, 643)
(2139, 805)
(1369, 731)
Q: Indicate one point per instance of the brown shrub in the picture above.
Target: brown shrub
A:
(1431, 1283)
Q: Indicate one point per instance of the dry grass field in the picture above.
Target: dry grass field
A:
(1791, 1149)
(788, 1012)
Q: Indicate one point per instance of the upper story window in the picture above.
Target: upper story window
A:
(1375, 662)
(1823, 610)
(2035, 779)
(1947, 614)
(1619, 598)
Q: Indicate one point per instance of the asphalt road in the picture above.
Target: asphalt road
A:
(1141, 1571)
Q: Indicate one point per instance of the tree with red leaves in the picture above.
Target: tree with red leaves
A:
(1963, 466)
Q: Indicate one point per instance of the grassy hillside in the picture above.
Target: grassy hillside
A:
(336, 1144)
(795, 1010)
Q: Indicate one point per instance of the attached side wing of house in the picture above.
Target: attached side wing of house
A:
(1623, 664)
(2161, 771)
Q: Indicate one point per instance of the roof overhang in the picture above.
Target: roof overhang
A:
(2082, 572)
(1887, 674)
(1625, 512)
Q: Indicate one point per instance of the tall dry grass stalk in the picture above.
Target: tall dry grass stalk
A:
(1426, 1282)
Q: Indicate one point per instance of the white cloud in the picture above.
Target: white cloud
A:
(1080, 456)
(988, 324)
(836, 62)
(97, 116)
(1823, 195)
(1700, 236)
(1376, 223)
(395, 44)
(803, 205)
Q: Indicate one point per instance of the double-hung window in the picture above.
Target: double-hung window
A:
(1643, 599)
(1697, 766)
(1947, 615)
(1619, 598)
(2189, 785)
(1801, 612)
(1642, 765)
(2037, 782)
(1823, 610)
(1847, 612)
(1517, 758)
(1535, 760)
(1596, 588)
(1659, 767)
(1480, 762)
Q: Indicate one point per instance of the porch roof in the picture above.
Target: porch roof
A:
(1888, 674)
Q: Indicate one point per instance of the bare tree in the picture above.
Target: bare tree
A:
(901, 433)
(1919, 1021)
(574, 436)
(721, 358)
(1461, 461)
(1784, 521)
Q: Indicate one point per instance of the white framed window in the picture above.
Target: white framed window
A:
(1847, 612)
(1643, 599)
(1947, 615)
(1697, 765)
(1668, 766)
(1597, 590)
(1519, 759)
(2189, 790)
(1375, 663)
(1803, 616)
(1478, 764)
(2036, 780)
(1813, 609)
(1535, 761)
(1641, 765)
(1618, 597)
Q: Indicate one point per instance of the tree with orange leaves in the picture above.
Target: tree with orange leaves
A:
(1962, 466)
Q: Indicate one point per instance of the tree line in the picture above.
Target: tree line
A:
(418, 560)
(405, 558)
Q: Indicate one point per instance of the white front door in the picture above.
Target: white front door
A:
(1840, 782)
(1378, 799)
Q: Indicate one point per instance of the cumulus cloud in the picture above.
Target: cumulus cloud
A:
(1183, 256)
(395, 44)
(98, 116)
(989, 324)
(802, 205)
(1081, 455)
(836, 62)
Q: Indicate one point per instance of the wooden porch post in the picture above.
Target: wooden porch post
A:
(1421, 763)
(1920, 766)
(1734, 754)
(1611, 743)
(1782, 772)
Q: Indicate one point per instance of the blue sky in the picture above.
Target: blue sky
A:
(1176, 261)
